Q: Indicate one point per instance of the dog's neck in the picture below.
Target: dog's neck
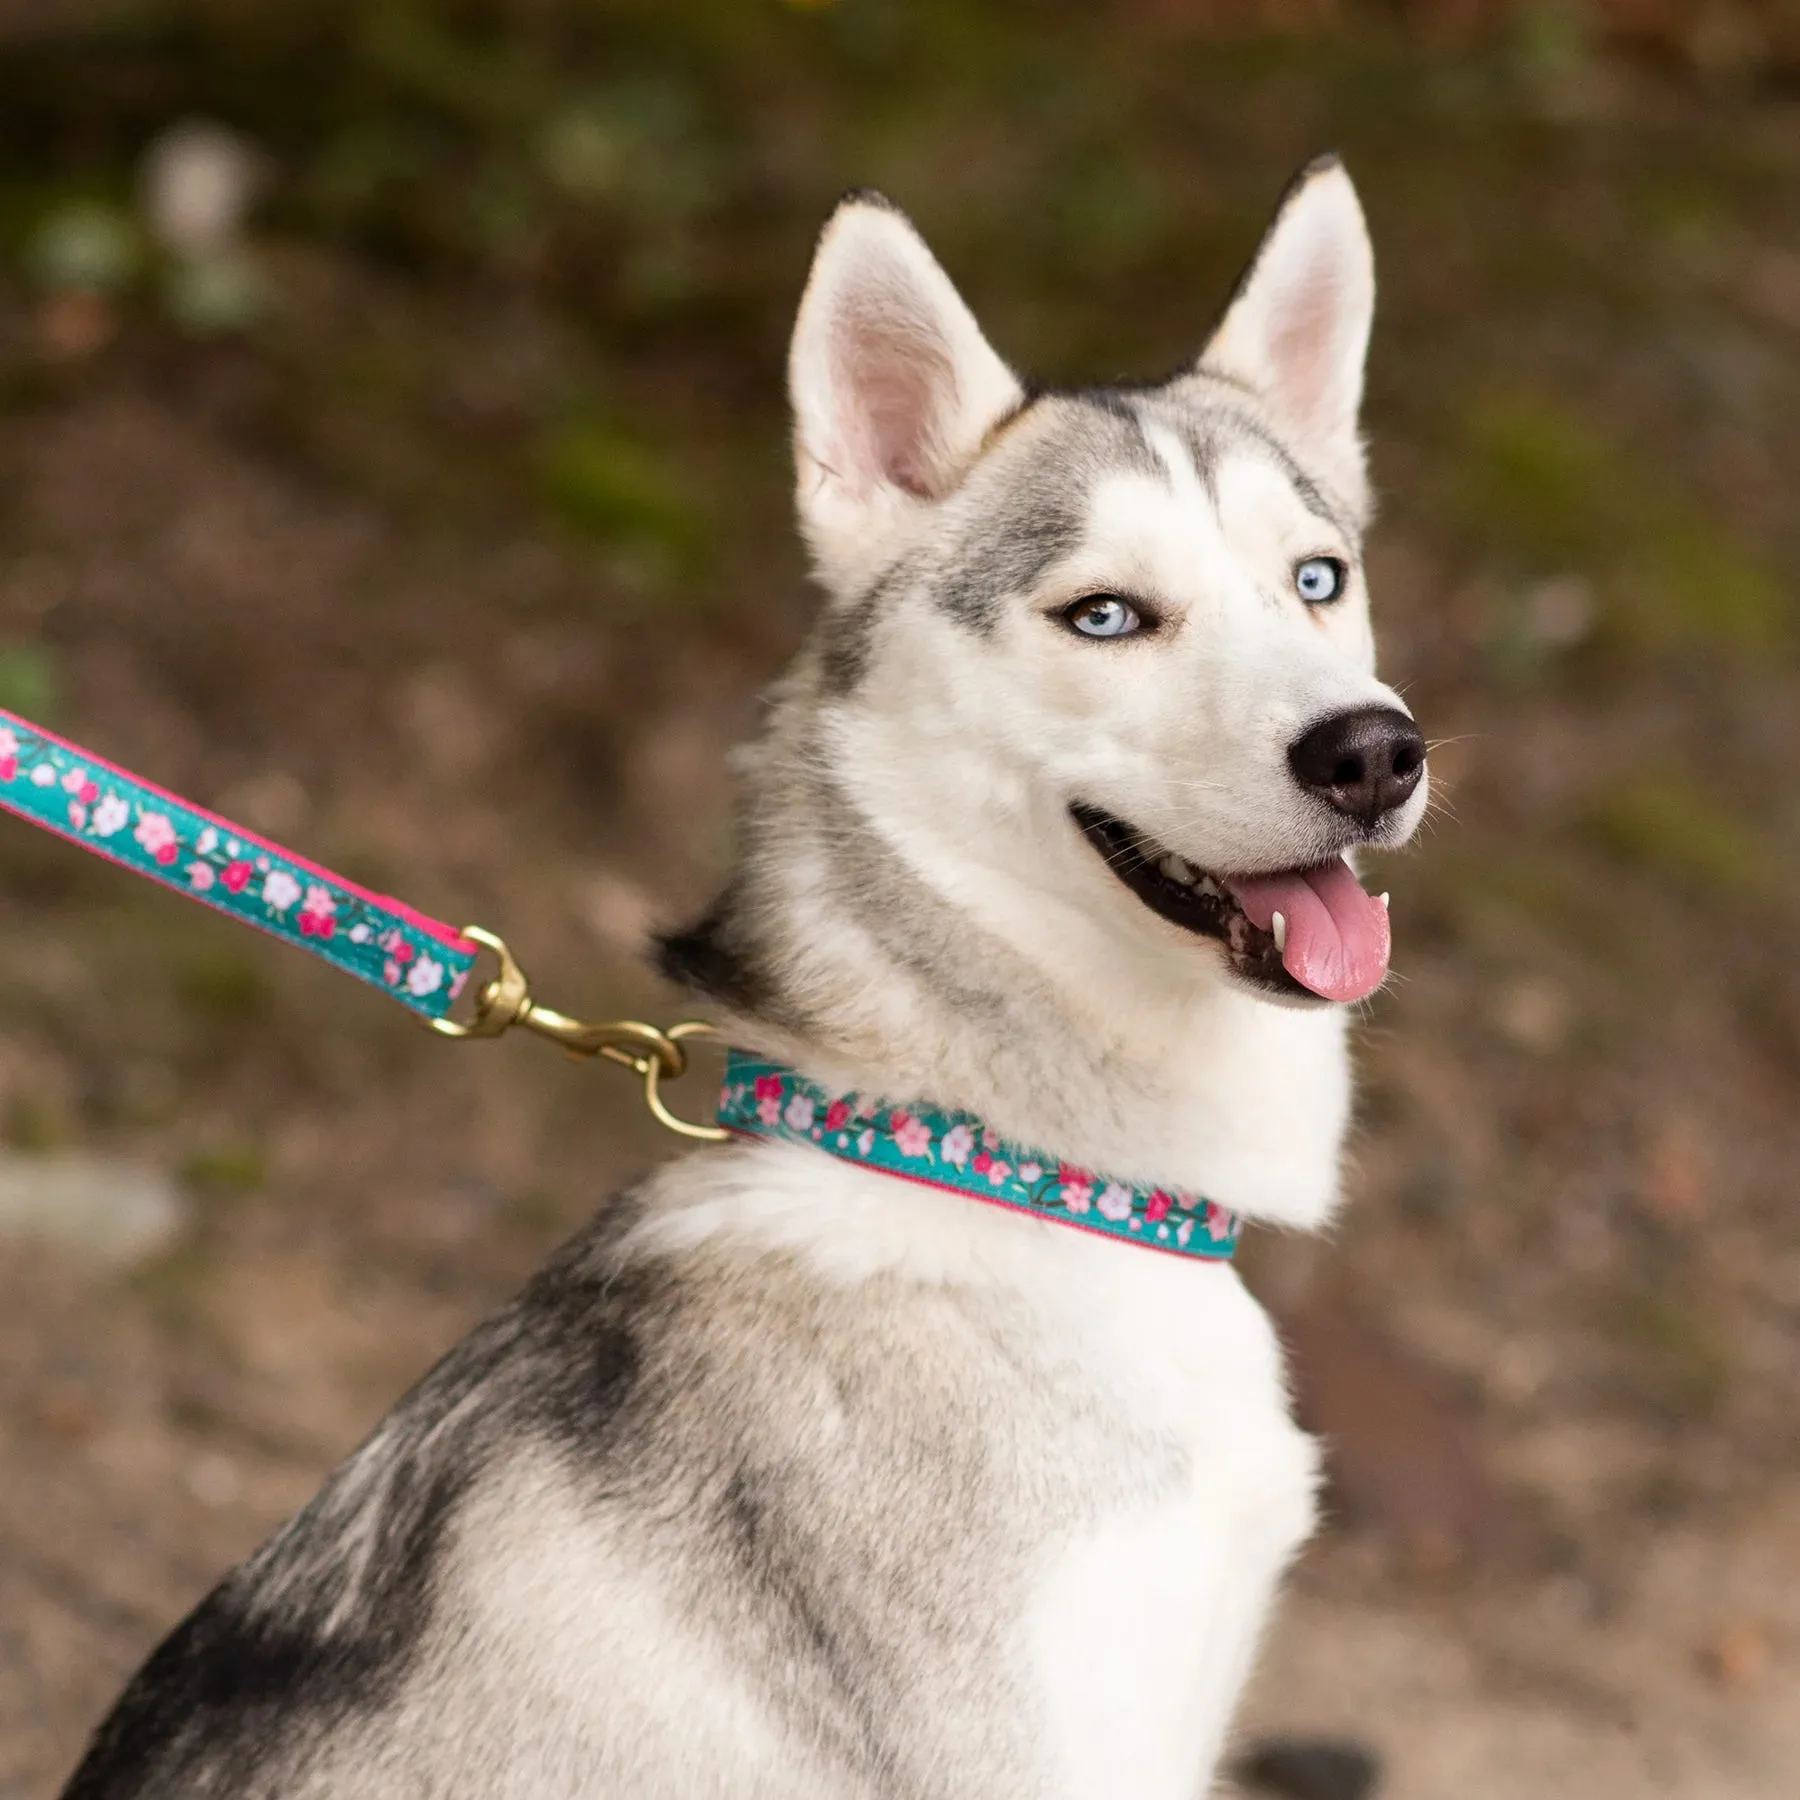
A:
(906, 942)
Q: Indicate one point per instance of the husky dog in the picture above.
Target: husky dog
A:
(787, 1479)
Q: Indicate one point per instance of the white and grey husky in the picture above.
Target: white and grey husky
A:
(789, 1479)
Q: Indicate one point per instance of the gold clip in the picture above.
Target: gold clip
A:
(651, 1053)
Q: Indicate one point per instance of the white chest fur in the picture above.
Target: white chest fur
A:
(1139, 1623)
(1143, 1630)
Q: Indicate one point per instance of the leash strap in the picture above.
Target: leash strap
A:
(423, 963)
(955, 1151)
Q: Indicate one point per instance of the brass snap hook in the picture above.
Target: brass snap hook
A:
(651, 1053)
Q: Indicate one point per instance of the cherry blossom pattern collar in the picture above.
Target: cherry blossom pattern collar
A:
(955, 1151)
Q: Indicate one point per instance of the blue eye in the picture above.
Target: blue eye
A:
(1320, 579)
(1103, 616)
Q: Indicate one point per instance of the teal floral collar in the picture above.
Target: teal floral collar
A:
(953, 1150)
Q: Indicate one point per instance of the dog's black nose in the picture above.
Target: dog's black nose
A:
(1365, 763)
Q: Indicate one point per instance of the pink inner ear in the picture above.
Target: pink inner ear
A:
(1302, 343)
(893, 383)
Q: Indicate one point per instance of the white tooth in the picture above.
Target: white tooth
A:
(1384, 900)
(1176, 870)
(1209, 886)
(1278, 925)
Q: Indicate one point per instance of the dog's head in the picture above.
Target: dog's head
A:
(1113, 645)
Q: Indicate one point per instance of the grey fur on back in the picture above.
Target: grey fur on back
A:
(815, 1492)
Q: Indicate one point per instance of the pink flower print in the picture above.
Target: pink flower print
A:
(110, 816)
(1220, 1223)
(390, 972)
(866, 1142)
(1030, 1171)
(236, 877)
(1156, 1208)
(9, 753)
(958, 1141)
(981, 1163)
(1075, 1187)
(9, 766)
(1114, 1202)
(837, 1115)
(989, 1141)
(157, 835)
(396, 946)
(74, 780)
(769, 1090)
(799, 1114)
(43, 776)
(200, 876)
(424, 977)
(997, 1171)
(316, 912)
(77, 814)
(912, 1137)
(90, 792)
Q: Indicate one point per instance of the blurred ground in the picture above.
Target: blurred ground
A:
(438, 525)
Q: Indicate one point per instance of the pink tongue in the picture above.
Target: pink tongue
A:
(1337, 936)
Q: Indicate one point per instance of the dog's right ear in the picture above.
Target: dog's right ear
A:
(893, 387)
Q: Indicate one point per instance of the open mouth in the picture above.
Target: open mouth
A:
(1301, 932)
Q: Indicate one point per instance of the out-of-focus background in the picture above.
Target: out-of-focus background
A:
(392, 455)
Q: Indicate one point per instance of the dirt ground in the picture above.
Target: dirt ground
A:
(459, 564)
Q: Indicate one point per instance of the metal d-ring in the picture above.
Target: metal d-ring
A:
(656, 1055)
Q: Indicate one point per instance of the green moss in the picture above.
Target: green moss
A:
(85, 245)
(228, 1168)
(223, 986)
(1668, 824)
(1544, 487)
(618, 489)
(30, 682)
(1682, 1354)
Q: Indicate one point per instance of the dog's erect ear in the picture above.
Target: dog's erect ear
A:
(1297, 330)
(893, 386)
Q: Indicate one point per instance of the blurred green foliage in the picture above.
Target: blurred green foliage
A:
(30, 682)
(1671, 826)
(1557, 493)
(618, 489)
(223, 985)
(87, 245)
(1681, 1352)
(224, 1169)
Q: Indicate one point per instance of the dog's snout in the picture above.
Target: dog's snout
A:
(1365, 763)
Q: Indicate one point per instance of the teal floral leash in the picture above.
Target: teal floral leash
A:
(421, 962)
(953, 1150)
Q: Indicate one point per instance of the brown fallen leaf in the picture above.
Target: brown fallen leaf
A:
(1737, 1654)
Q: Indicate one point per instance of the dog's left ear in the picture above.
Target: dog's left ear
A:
(1297, 329)
(894, 387)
